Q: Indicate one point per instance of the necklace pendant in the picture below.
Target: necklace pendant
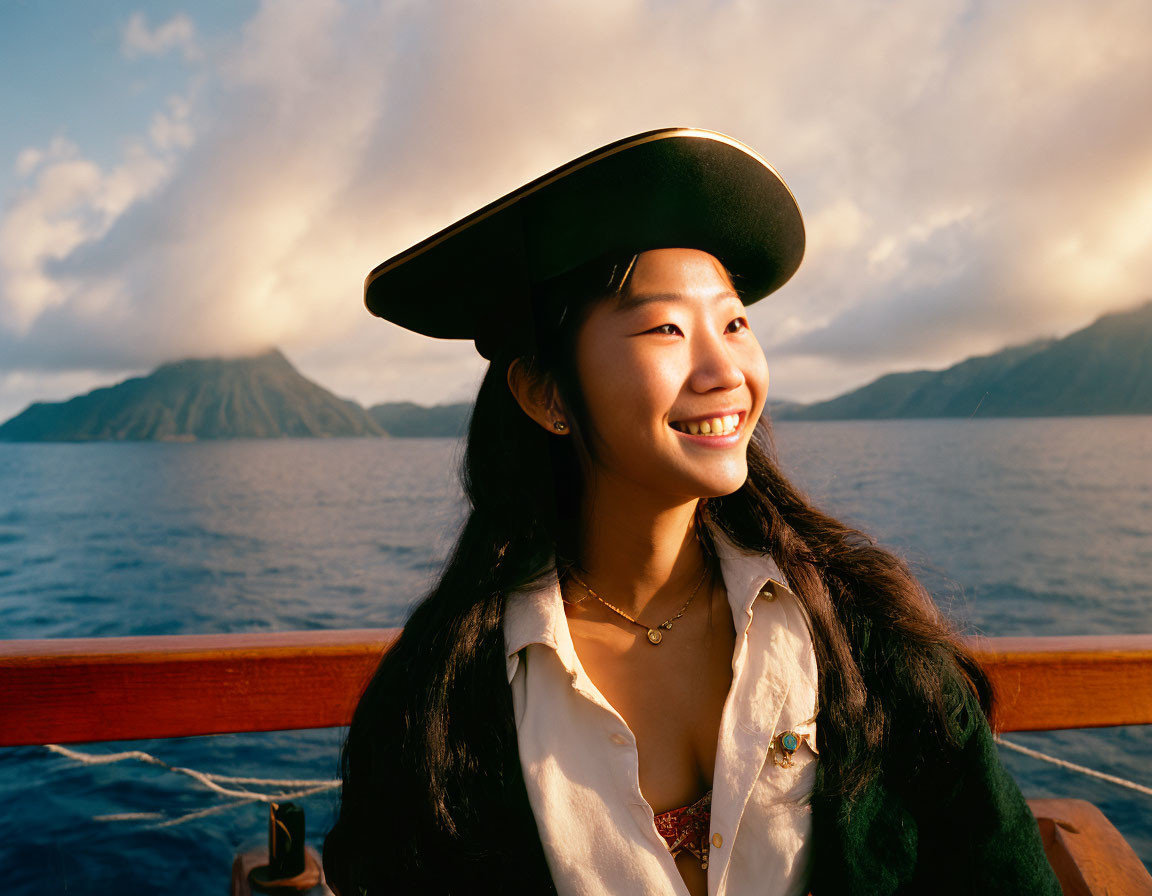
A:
(655, 635)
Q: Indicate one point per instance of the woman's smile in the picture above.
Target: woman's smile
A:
(713, 427)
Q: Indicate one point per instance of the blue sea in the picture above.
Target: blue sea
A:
(1020, 527)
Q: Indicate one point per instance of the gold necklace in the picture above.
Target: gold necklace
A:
(655, 636)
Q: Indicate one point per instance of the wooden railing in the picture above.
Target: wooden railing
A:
(93, 689)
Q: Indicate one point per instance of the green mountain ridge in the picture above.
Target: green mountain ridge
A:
(208, 398)
(403, 419)
(1104, 368)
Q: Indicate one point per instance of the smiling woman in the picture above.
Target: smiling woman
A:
(650, 665)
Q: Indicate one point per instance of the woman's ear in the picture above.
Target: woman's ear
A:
(538, 398)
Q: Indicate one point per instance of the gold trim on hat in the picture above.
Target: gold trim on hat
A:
(546, 180)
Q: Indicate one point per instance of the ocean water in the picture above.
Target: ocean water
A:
(1040, 527)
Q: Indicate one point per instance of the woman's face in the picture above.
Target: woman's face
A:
(673, 379)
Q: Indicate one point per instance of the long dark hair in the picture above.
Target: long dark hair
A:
(433, 797)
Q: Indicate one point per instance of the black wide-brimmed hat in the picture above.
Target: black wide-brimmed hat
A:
(669, 188)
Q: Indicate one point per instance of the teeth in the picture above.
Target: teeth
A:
(715, 427)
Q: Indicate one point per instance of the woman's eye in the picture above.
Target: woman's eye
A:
(666, 330)
(737, 325)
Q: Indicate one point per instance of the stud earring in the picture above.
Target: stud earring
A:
(559, 425)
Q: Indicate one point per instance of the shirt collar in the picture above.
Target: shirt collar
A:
(535, 615)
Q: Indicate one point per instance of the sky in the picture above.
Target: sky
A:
(216, 178)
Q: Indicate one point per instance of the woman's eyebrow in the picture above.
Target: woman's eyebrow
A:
(631, 302)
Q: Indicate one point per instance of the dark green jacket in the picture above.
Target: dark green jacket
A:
(957, 824)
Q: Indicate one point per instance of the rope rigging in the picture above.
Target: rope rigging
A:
(296, 788)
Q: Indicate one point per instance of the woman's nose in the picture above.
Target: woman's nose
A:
(715, 366)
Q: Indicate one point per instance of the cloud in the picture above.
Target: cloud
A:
(971, 175)
(69, 204)
(178, 33)
(28, 160)
(72, 202)
(171, 128)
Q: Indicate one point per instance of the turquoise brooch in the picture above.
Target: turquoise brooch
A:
(785, 744)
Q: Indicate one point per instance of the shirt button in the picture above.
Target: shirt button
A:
(619, 739)
(717, 840)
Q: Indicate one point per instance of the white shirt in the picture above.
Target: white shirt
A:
(582, 770)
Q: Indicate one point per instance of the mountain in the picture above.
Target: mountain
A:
(779, 408)
(404, 419)
(1105, 368)
(257, 397)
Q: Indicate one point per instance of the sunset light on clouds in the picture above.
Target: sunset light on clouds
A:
(972, 175)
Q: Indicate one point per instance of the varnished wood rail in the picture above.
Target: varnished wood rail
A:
(93, 689)
(89, 689)
(1087, 681)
